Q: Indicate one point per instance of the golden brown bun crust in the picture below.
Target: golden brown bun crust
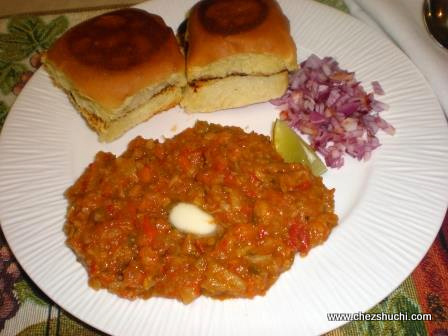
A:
(117, 54)
(223, 28)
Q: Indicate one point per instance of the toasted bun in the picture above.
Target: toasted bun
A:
(115, 63)
(233, 91)
(110, 130)
(229, 37)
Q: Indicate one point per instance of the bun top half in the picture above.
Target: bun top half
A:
(227, 37)
(115, 55)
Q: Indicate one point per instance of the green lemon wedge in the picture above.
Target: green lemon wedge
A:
(292, 148)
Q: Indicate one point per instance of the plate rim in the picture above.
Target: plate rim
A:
(3, 136)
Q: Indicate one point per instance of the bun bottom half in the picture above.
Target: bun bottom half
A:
(233, 91)
(109, 131)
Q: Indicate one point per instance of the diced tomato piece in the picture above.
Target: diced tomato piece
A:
(304, 185)
(111, 210)
(251, 192)
(200, 246)
(149, 229)
(253, 178)
(222, 245)
(145, 174)
(93, 268)
(298, 237)
(304, 243)
(293, 235)
(184, 162)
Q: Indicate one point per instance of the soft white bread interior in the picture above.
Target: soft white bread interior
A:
(240, 64)
(233, 91)
(109, 112)
(108, 131)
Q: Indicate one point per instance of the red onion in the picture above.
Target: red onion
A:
(329, 105)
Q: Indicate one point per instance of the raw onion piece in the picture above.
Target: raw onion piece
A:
(329, 105)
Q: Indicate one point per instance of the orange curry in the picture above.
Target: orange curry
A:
(266, 210)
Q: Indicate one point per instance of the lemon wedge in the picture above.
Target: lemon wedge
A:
(292, 148)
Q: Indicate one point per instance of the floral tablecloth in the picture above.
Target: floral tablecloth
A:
(24, 310)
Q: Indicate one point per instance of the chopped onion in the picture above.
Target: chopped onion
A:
(330, 106)
(377, 89)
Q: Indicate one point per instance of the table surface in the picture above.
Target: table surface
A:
(24, 310)
(8, 7)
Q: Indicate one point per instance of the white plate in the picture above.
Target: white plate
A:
(390, 208)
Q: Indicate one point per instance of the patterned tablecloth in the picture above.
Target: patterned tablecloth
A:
(24, 310)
